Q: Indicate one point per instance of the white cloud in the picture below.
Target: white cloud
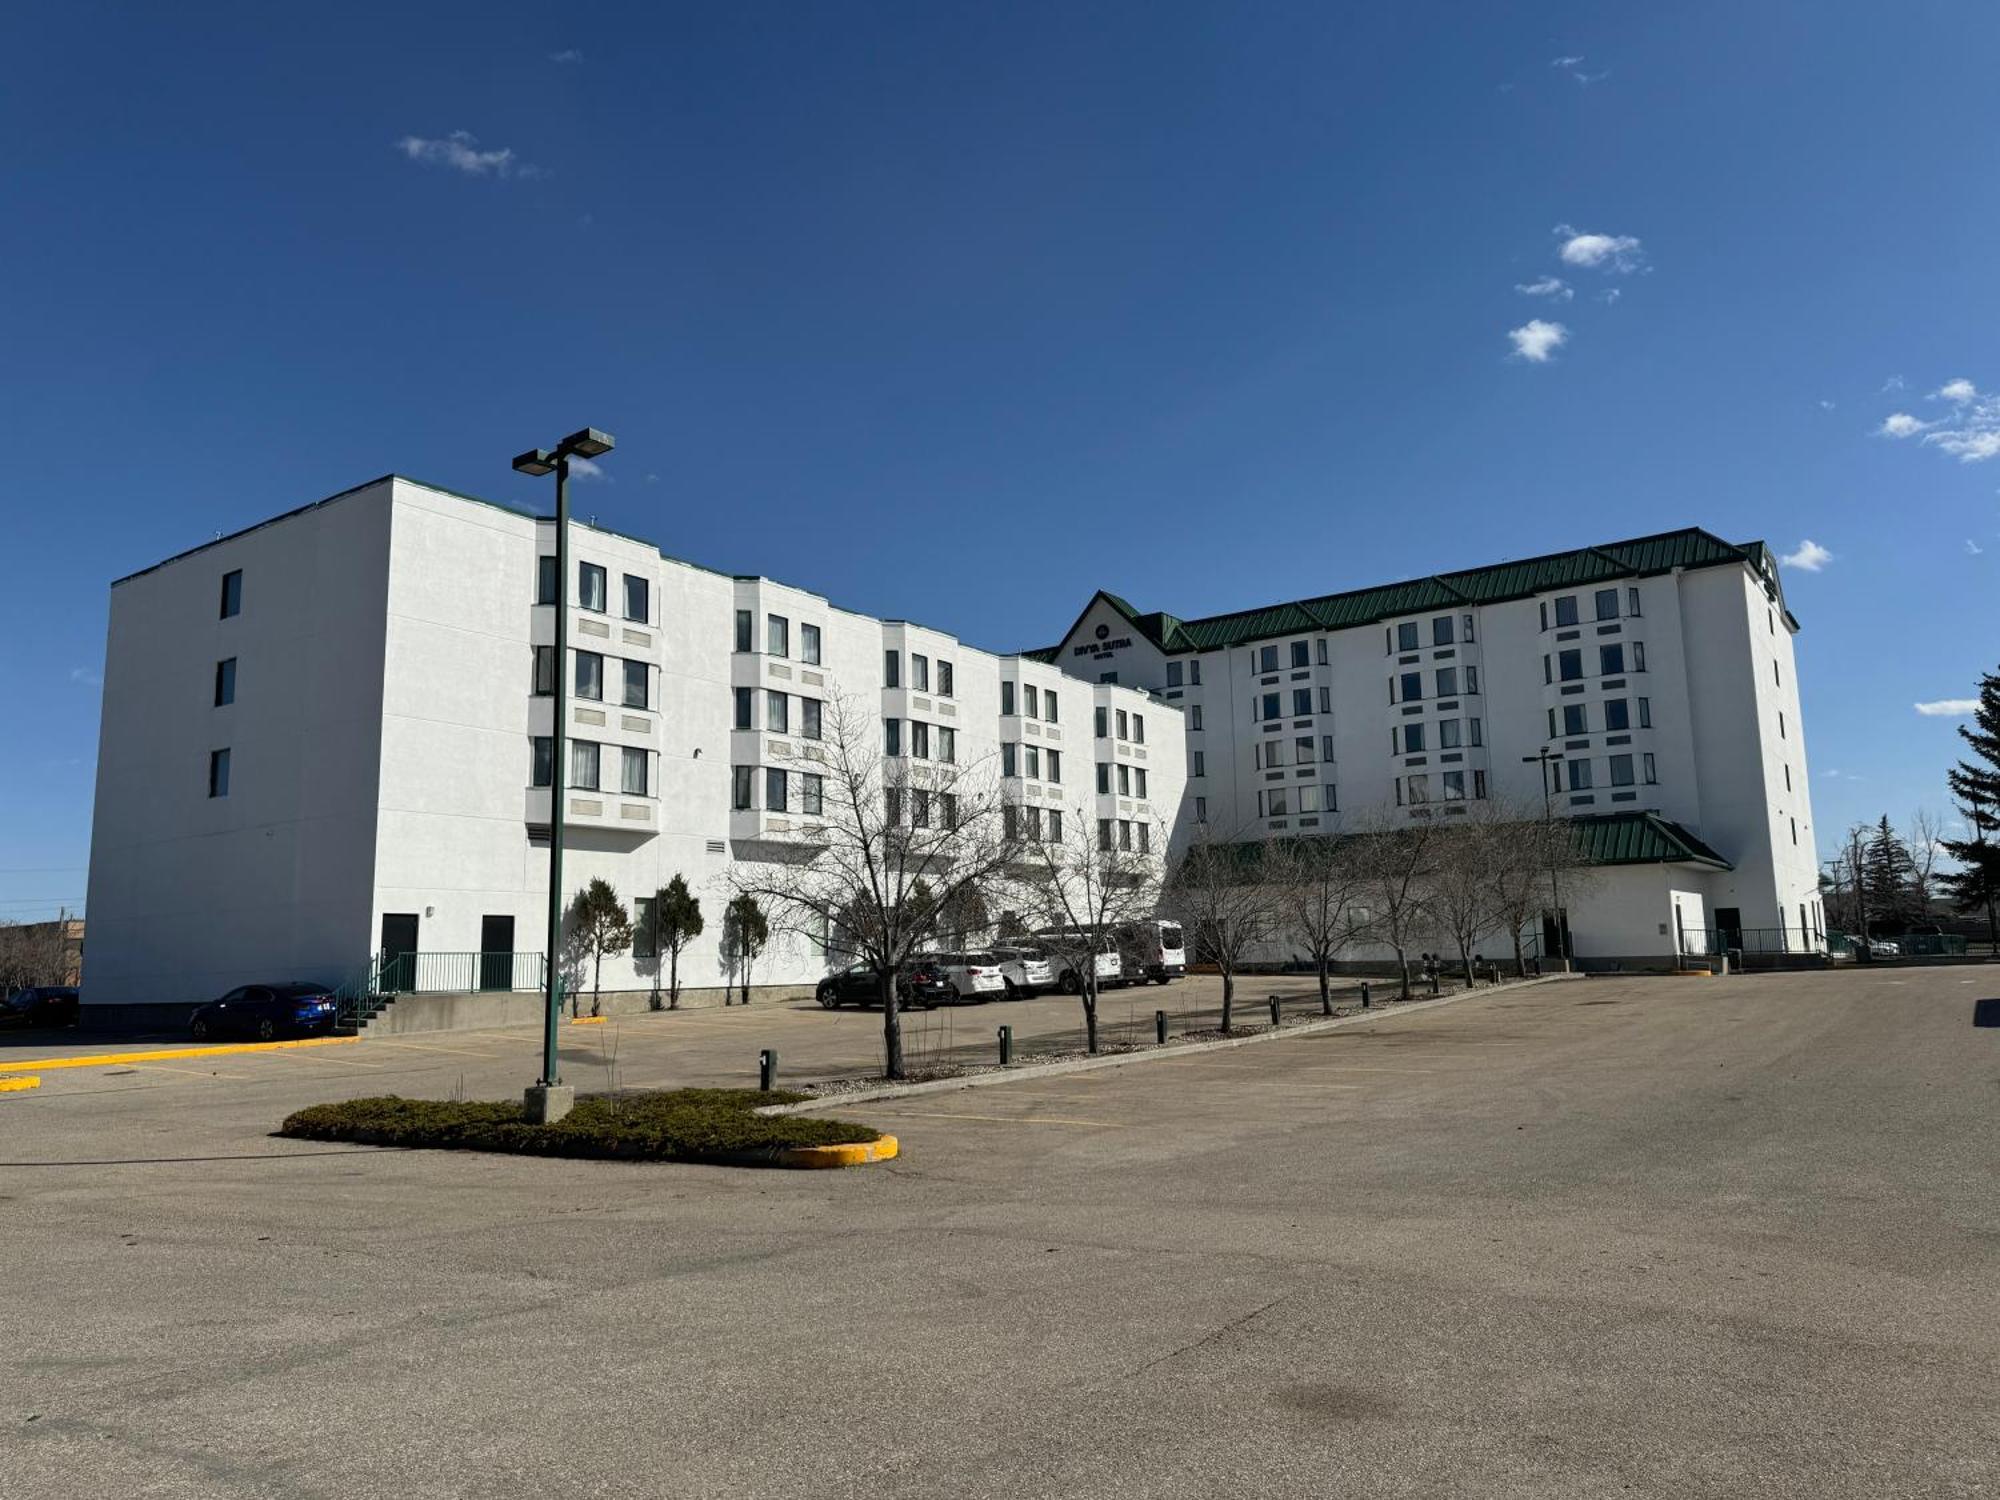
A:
(1957, 391)
(460, 151)
(85, 676)
(1809, 557)
(567, 55)
(584, 468)
(1972, 548)
(1947, 708)
(1826, 406)
(1967, 427)
(1535, 340)
(1609, 295)
(1894, 383)
(1564, 62)
(1587, 79)
(1900, 425)
(1548, 286)
(1599, 252)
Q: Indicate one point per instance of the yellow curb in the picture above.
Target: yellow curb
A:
(1691, 973)
(170, 1054)
(588, 1020)
(19, 1085)
(858, 1154)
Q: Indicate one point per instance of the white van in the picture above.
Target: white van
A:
(1064, 944)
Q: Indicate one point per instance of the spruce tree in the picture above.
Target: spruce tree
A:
(1886, 877)
(1975, 785)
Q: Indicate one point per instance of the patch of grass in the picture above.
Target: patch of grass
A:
(672, 1125)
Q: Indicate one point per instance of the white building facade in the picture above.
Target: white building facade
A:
(327, 738)
(1657, 674)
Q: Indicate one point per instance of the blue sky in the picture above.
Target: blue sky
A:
(957, 313)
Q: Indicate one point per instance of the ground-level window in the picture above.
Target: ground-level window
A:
(218, 773)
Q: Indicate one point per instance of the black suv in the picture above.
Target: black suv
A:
(920, 983)
(40, 1005)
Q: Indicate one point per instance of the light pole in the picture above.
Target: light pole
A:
(548, 1100)
(1543, 758)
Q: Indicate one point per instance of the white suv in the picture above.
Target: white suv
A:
(1027, 971)
(976, 976)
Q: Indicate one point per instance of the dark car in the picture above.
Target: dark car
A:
(40, 1005)
(920, 983)
(265, 1011)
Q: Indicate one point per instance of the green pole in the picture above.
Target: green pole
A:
(558, 782)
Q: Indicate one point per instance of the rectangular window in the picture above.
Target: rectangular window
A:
(1610, 660)
(1632, 602)
(1302, 701)
(1103, 720)
(1781, 724)
(777, 712)
(774, 790)
(920, 672)
(1103, 833)
(1033, 757)
(1471, 679)
(545, 578)
(745, 625)
(1413, 686)
(1479, 784)
(1441, 632)
(1267, 659)
(947, 744)
(1579, 775)
(944, 679)
(1447, 682)
(1448, 733)
(1302, 749)
(232, 604)
(590, 587)
(225, 682)
(1201, 809)
(1124, 781)
(742, 780)
(1055, 825)
(1034, 825)
(545, 671)
(892, 736)
(1052, 764)
(812, 794)
(1454, 786)
(920, 739)
(638, 682)
(1638, 656)
(812, 722)
(1468, 629)
(1406, 636)
(1270, 706)
(1420, 789)
(1198, 764)
(1646, 764)
(1413, 737)
(892, 805)
(645, 932)
(1617, 714)
(1124, 725)
(1607, 604)
(809, 644)
(1103, 778)
(1645, 713)
(1301, 654)
(746, 699)
(218, 771)
(1010, 756)
(892, 669)
(583, 765)
(920, 807)
(638, 604)
(1030, 701)
(1326, 700)
(1194, 672)
(1570, 665)
(1308, 799)
(1194, 717)
(1049, 706)
(1566, 610)
(1574, 721)
(1621, 770)
(1326, 748)
(777, 636)
(1007, 704)
(1175, 672)
(541, 760)
(1322, 650)
(589, 675)
(632, 772)
(1476, 737)
(1270, 755)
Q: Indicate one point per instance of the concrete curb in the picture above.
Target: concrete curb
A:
(171, 1054)
(1148, 1054)
(860, 1154)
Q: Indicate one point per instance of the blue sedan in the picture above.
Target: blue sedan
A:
(266, 1011)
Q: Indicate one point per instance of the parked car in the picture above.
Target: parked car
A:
(920, 983)
(974, 976)
(1883, 948)
(266, 1011)
(1110, 967)
(40, 1005)
(1027, 971)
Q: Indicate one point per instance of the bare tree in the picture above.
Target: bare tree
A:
(1924, 839)
(1469, 852)
(1318, 885)
(1397, 860)
(1221, 897)
(879, 846)
(1540, 867)
(1078, 884)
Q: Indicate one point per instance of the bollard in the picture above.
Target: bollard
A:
(1160, 1027)
(1274, 1012)
(1006, 1046)
(767, 1069)
(1478, 963)
(1434, 984)
(1364, 995)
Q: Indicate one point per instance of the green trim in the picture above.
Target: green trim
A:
(1603, 839)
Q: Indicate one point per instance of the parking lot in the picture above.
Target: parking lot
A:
(1635, 1236)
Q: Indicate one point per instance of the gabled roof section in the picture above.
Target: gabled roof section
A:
(1638, 557)
(1641, 838)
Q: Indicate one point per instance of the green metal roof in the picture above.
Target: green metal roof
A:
(1637, 558)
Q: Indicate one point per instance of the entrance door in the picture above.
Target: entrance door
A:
(399, 952)
(1729, 927)
(1555, 933)
(496, 953)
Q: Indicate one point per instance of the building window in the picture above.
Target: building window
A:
(1479, 784)
(1413, 737)
(1420, 789)
(777, 636)
(1175, 672)
(1197, 764)
(1052, 764)
(1471, 678)
(638, 681)
(1326, 700)
(1194, 673)
(1145, 838)
(1301, 654)
(811, 719)
(1638, 656)
(1448, 733)
(809, 644)
(1049, 706)
(1308, 799)
(745, 711)
(1579, 774)
(1476, 738)
(589, 675)
(1617, 714)
(920, 672)
(1032, 756)
(1267, 659)
(1621, 770)
(545, 671)
(1030, 701)
(1302, 702)
(1124, 725)
(1468, 629)
(1412, 684)
(542, 761)
(1103, 719)
(218, 773)
(944, 680)
(1326, 748)
(1454, 786)
(892, 805)
(1302, 749)
(1607, 604)
(1574, 722)
(1610, 660)
(638, 603)
(232, 593)
(545, 578)
(632, 773)
(774, 790)
(583, 765)
(1034, 825)
(777, 712)
(892, 736)
(1194, 717)
(1201, 809)
(742, 782)
(1566, 610)
(892, 669)
(812, 794)
(1007, 702)
(920, 807)
(920, 739)
(1447, 682)
(645, 932)
(1269, 703)
(1645, 713)
(1781, 723)
(1569, 665)
(1124, 781)
(1646, 765)
(1055, 825)
(1406, 636)
(590, 587)
(1104, 778)
(225, 682)
(1441, 632)
(1009, 755)
(1125, 835)
(1632, 602)
(947, 745)
(1103, 833)
(745, 628)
